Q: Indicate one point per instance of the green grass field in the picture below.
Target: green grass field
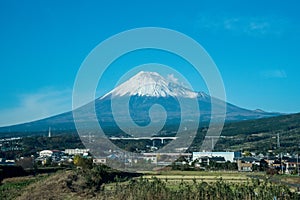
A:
(176, 177)
(173, 178)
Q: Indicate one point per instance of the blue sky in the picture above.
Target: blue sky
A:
(255, 45)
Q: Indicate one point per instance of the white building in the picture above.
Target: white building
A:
(46, 153)
(99, 161)
(150, 158)
(76, 151)
(229, 156)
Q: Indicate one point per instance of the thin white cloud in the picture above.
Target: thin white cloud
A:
(44, 103)
(172, 78)
(275, 73)
(182, 82)
(242, 25)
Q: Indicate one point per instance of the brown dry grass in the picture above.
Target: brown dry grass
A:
(16, 179)
(62, 185)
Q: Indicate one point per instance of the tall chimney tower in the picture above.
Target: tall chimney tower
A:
(49, 133)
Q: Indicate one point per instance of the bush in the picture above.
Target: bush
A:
(1, 176)
(85, 163)
(271, 171)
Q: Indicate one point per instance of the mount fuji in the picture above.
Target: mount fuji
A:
(151, 84)
(136, 96)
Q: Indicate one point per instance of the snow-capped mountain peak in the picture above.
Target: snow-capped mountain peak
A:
(151, 84)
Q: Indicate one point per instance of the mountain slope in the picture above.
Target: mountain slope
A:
(138, 95)
(259, 135)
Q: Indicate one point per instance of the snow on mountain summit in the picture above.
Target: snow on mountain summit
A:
(151, 84)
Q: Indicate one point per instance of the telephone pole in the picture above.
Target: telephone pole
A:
(298, 164)
(281, 163)
(278, 140)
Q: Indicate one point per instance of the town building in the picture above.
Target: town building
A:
(244, 166)
(206, 160)
(98, 161)
(76, 151)
(46, 153)
(291, 165)
(228, 156)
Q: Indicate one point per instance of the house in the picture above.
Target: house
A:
(270, 160)
(98, 161)
(276, 164)
(244, 166)
(3, 161)
(56, 155)
(205, 160)
(250, 159)
(150, 158)
(218, 159)
(291, 165)
(113, 156)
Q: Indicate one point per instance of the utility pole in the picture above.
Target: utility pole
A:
(278, 140)
(298, 163)
(281, 163)
(90, 137)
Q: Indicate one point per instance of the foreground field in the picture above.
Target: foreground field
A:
(176, 177)
(94, 184)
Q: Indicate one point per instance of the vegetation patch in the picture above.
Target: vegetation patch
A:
(11, 188)
(156, 188)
